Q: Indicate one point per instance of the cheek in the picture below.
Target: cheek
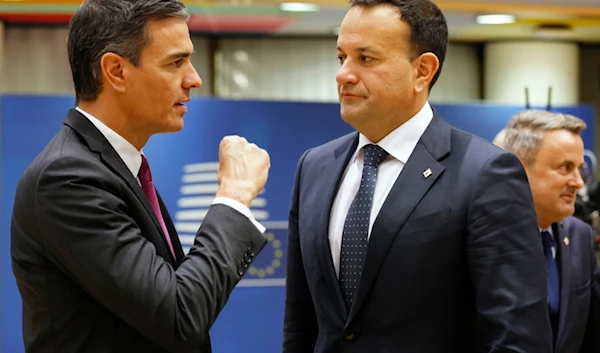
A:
(543, 188)
(553, 188)
(559, 183)
(405, 79)
(393, 84)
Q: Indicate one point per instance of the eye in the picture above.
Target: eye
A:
(365, 59)
(567, 168)
(178, 62)
(341, 59)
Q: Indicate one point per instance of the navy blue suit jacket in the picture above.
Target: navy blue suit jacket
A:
(579, 294)
(455, 262)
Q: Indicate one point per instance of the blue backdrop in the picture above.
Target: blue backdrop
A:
(183, 167)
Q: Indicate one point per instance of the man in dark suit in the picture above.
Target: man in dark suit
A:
(409, 235)
(551, 149)
(95, 254)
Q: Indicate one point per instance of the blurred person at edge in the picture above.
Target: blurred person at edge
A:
(551, 148)
(441, 264)
(95, 254)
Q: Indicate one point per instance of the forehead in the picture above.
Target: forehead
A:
(167, 36)
(561, 145)
(378, 25)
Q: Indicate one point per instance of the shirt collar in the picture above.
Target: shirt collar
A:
(128, 153)
(401, 142)
(549, 230)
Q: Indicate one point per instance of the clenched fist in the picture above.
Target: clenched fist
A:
(243, 169)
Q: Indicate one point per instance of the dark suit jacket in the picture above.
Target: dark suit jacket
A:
(455, 262)
(92, 264)
(579, 287)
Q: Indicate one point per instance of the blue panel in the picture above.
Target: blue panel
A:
(183, 166)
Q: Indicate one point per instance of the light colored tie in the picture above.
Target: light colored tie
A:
(148, 187)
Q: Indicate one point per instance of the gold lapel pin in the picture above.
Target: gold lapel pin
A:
(427, 173)
(566, 241)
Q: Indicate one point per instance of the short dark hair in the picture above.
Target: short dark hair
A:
(428, 27)
(118, 26)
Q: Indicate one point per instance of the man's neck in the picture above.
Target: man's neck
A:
(376, 132)
(115, 120)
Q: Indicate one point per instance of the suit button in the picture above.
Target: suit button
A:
(349, 336)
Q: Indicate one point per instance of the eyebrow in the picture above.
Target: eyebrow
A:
(180, 55)
(363, 49)
(577, 164)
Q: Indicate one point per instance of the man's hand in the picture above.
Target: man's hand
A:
(243, 169)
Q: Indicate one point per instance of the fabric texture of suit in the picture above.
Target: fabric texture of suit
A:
(92, 264)
(579, 291)
(455, 262)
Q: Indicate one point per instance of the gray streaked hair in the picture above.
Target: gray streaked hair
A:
(525, 131)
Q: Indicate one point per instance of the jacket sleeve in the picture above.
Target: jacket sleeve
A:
(89, 234)
(300, 323)
(591, 339)
(506, 261)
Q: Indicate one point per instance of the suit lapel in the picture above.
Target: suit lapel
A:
(564, 257)
(97, 143)
(330, 177)
(407, 192)
(172, 231)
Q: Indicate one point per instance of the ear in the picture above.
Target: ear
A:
(113, 69)
(426, 65)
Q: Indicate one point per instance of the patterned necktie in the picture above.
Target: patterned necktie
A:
(148, 187)
(553, 282)
(356, 227)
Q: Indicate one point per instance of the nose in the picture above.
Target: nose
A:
(346, 74)
(192, 79)
(577, 181)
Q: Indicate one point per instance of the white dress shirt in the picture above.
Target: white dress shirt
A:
(400, 144)
(133, 160)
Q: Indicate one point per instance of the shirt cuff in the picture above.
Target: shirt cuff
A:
(241, 208)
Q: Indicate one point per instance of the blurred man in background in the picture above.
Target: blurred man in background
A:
(551, 148)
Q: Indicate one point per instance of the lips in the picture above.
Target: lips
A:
(349, 95)
(569, 197)
(181, 106)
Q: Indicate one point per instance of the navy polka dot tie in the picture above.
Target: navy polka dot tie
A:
(356, 227)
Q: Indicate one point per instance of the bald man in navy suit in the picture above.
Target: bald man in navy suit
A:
(409, 235)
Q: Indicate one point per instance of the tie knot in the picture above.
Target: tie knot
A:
(374, 155)
(144, 173)
(547, 240)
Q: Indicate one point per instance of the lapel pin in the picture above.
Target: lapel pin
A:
(427, 173)
(566, 241)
